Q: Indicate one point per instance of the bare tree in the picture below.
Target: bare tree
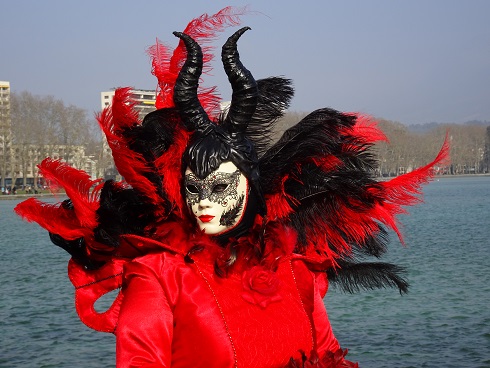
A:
(41, 125)
(467, 148)
(485, 164)
(395, 155)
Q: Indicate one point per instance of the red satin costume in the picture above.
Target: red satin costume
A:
(178, 314)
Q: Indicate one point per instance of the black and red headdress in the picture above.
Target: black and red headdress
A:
(214, 143)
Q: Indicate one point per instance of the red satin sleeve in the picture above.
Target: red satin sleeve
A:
(325, 339)
(313, 286)
(145, 327)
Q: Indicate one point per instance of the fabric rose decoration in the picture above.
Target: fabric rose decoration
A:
(260, 286)
(328, 360)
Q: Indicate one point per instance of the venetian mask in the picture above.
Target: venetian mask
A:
(218, 201)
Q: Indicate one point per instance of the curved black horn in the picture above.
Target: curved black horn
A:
(185, 89)
(245, 92)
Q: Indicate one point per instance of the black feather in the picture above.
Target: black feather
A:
(375, 245)
(314, 136)
(154, 136)
(121, 211)
(275, 95)
(78, 251)
(353, 277)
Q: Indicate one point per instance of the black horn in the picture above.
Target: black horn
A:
(245, 92)
(185, 89)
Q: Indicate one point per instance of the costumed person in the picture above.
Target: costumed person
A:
(223, 244)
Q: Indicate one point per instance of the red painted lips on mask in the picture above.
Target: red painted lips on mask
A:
(206, 218)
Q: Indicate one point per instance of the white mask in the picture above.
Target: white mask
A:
(218, 201)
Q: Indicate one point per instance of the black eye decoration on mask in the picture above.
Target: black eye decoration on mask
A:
(192, 189)
(229, 218)
(218, 187)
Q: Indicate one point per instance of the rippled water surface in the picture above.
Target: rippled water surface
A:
(444, 321)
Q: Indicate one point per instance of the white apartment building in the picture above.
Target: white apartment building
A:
(145, 100)
(18, 162)
(5, 132)
(145, 103)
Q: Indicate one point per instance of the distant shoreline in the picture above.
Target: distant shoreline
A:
(49, 195)
(25, 196)
(460, 176)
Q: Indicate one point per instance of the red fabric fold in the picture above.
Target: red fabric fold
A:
(92, 285)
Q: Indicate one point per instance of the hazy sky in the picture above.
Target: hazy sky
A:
(413, 61)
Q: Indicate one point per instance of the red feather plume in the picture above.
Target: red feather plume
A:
(169, 166)
(406, 189)
(53, 218)
(278, 203)
(366, 128)
(132, 166)
(166, 68)
(79, 187)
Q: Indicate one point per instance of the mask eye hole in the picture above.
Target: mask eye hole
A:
(220, 188)
(192, 189)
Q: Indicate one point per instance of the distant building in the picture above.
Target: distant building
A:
(5, 132)
(145, 103)
(25, 172)
(18, 162)
(145, 100)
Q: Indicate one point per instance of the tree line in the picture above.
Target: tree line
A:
(407, 149)
(44, 120)
(41, 125)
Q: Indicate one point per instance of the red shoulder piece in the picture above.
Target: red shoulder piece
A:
(92, 285)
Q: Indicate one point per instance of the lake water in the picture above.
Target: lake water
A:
(444, 321)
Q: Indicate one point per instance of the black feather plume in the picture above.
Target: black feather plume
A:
(122, 211)
(353, 277)
(315, 136)
(275, 94)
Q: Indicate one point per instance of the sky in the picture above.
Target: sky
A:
(414, 62)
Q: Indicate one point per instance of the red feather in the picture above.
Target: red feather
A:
(277, 204)
(160, 61)
(83, 192)
(169, 166)
(166, 68)
(406, 189)
(328, 162)
(367, 129)
(53, 218)
(131, 165)
(79, 187)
